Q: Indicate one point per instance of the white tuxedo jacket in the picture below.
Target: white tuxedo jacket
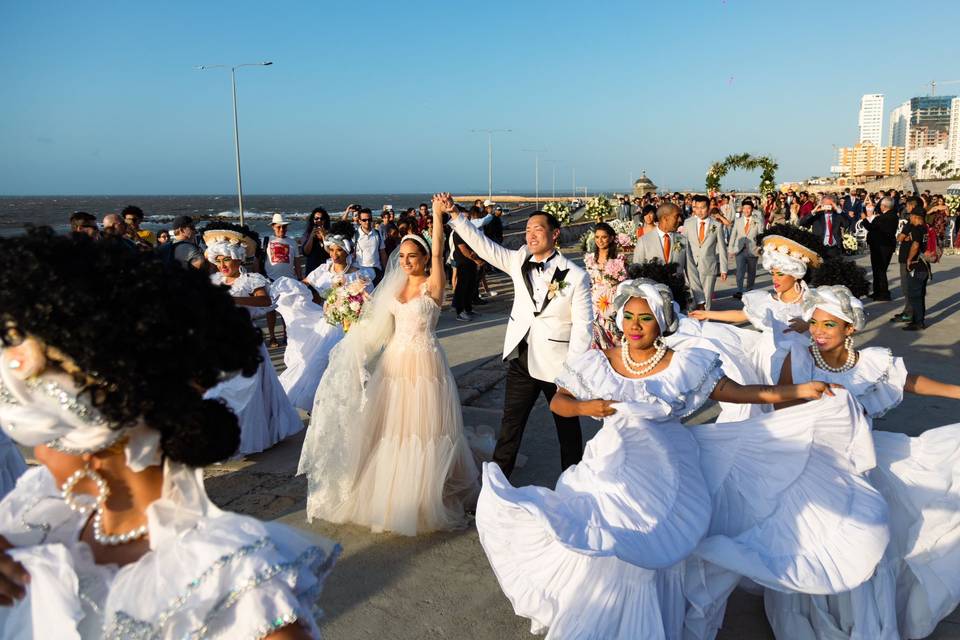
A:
(561, 327)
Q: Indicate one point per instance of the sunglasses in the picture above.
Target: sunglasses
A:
(365, 219)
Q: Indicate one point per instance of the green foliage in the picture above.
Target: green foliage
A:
(766, 164)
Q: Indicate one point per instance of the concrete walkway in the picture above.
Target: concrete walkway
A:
(440, 585)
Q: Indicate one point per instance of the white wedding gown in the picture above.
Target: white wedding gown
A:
(405, 465)
(310, 338)
(209, 573)
(918, 582)
(265, 413)
(649, 534)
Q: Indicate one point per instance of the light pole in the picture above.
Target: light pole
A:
(553, 183)
(573, 190)
(536, 169)
(490, 133)
(236, 129)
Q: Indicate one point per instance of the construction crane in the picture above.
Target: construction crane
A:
(934, 83)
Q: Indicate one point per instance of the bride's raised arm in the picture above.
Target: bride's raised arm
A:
(442, 202)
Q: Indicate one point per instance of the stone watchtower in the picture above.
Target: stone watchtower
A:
(643, 186)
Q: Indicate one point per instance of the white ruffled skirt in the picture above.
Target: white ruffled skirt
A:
(918, 582)
(265, 413)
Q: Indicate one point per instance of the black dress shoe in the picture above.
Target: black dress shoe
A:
(738, 295)
(901, 318)
(914, 327)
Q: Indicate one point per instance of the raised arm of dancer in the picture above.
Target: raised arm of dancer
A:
(442, 202)
(729, 391)
(500, 257)
(732, 316)
(924, 386)
(258, 299)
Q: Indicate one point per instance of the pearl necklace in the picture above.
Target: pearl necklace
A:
(822, 364)
(113, 540)
(643, 368)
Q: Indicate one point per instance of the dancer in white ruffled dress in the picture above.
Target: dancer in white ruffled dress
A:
(602, 556)
(265, 413)
(918, 582)
(386, 446)
(310, 338)
(113, 535)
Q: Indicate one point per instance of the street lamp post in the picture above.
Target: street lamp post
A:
(236, 129)
(490, 133)
(536, 169)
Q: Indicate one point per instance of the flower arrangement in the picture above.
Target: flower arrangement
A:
(558, 210)
(344, 302)
(850, 242)
(599, 208)
(556, 288)
(953, 203)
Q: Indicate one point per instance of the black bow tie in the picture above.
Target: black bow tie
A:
(540, 266)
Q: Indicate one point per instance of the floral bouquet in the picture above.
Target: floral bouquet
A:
(626, 233)
(558, 210)
(600, 208)
(343, 302)
(850, 242)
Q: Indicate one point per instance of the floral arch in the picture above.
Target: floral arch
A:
(766, 164)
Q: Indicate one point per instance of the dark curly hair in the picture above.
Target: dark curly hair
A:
(343, 228)
(150, 336)
(835, 271)
(613, 249)
(668, 274)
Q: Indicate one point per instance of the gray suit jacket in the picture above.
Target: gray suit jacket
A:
(649, 247)
(709, 258)
(741, 240)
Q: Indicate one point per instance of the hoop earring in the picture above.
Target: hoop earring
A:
(90, 504)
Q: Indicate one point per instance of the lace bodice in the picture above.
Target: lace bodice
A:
(414, 322)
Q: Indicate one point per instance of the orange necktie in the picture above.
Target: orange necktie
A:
(746, 227)
(666, 249)
(702, 231)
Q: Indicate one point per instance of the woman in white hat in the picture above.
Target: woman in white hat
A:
(918, 583)
(310, 338)
(265, 413)
(614, 551)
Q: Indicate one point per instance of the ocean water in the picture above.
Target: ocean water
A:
(18, 211)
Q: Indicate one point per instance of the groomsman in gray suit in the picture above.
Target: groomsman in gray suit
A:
(743, 245)
(706, 252)
(664, 243)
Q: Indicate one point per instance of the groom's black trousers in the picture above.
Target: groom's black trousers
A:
(521, 394)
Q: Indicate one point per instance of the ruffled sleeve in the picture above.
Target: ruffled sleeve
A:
(230, 576)
(757, 305)
(692, 376)
(252, 282)
(582, 374)
(33, 512)
(879, 380)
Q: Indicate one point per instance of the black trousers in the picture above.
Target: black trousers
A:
(521, 394)
(879, 262)
(917, 293)
(465, 291)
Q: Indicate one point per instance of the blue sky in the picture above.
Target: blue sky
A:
(102, 98)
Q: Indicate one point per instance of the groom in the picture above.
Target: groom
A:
(550, 321)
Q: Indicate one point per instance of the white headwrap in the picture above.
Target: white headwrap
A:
(338, 241)
(658, 296)
(226, 249)
(783, 262)
(836, 300)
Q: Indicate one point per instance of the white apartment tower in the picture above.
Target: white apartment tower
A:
(900, 125)
(871, 118)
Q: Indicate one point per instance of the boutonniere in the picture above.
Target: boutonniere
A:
(556, 288)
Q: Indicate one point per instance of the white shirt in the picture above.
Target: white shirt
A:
(540, 280)
(281, 256)
(368, 249)
(482, 222)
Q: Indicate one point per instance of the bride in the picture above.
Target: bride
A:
(385, 447)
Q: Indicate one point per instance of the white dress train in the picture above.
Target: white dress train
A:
(310, 338)
(265, 413)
